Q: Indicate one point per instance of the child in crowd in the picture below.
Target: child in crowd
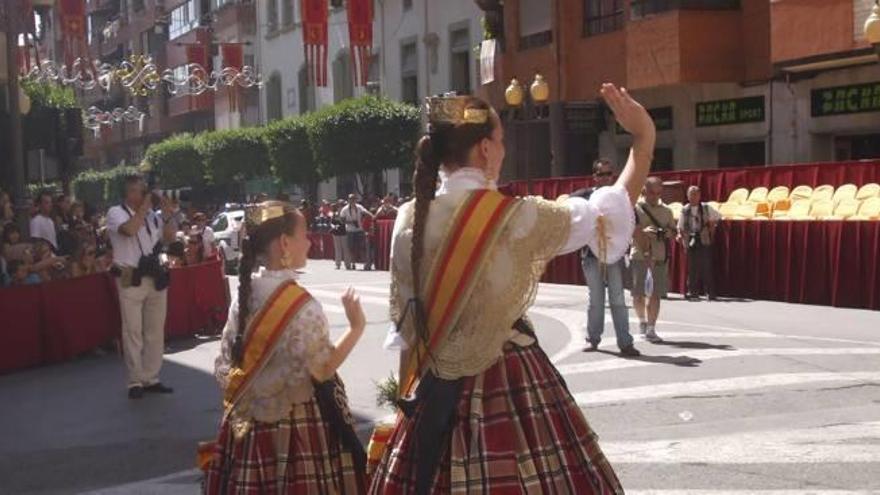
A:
(20, 274)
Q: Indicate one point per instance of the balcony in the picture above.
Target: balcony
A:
(182, 105)
(642, 8)
(103, 7)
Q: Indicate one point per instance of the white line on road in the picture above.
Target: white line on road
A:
(710, 354)
(703, 387)
(845, 443)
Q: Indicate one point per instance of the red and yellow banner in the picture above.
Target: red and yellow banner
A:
(460, 260)
(73, 29)
(233, 56)
(314, 20)
(360, 32)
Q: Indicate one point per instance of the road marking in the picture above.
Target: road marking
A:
(711, 354)
(703, 387)
(845, 443)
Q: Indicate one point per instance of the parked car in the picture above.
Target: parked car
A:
(227, 234)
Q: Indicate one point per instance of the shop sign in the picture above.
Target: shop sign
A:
(662, 117)
(843, 100)
(726, 112)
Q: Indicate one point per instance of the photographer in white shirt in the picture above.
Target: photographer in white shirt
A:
(136, 231)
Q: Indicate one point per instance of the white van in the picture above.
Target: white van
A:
(227, 229)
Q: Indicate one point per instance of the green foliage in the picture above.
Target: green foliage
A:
(387, 392)
(290, 150)
(364, 135)
(176, 161)
(233, 155)
(101, 187)
(49, 95)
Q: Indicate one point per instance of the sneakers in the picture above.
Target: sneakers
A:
(630, 351)
(158, 388)
(135, 392)
(591, 347)
(651, 335)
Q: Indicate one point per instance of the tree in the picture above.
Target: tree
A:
(176, 161)
(233, 155)
(290, 152)
(364, 136)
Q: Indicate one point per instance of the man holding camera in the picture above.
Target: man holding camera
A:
(136, 233)
(696, 228)
(650, 255)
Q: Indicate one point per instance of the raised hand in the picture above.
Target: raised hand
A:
(630, 114)
(351, 301)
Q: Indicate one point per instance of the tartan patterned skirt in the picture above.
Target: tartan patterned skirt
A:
(299, 454)
(517, 430)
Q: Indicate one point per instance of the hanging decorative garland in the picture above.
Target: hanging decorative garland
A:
(94, 118)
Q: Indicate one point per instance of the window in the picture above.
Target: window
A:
(337, 4)
(343, 85)
(287, 13)
(741, 154)
(272, 15)
(602, 16)
(220, 224)
(535, 26)
(460, 61)
(409, 73)
(662, 160)
(641, 8)
(183, 19)
(273, 98)
(862, 147)
(307, 101)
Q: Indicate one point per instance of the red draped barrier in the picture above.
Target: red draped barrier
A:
(21, 327)
(79, 314)
(58, 320)
(717, 184)
(384, 228)
(322, 246)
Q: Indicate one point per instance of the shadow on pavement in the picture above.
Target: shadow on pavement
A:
(685, 344)
(70, 428)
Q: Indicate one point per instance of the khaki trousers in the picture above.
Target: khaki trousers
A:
(143, 311)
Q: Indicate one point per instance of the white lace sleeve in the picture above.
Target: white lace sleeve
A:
(223, 363)
(314, 328)
(613, 205)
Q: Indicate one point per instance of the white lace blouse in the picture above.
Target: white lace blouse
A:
(286, 378)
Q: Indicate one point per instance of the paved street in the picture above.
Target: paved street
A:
(742, 397)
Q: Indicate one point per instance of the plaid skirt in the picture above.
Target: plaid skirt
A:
(299, 454)
(517, 430)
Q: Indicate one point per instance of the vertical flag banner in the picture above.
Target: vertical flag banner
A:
(233, 56)
(73, 29)
(314, 20)
(487, 61)
(360, 32)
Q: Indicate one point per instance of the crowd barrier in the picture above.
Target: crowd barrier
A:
(56, 321)
(717, 184)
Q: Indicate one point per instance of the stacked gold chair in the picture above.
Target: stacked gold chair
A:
(758, 195)
(778, 197)
(800, 210)
(821, 209)
(728, 210)
(845, 209)
(738, 196)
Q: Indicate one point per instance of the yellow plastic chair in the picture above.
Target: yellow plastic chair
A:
(801, 192)
(870, 209)
(871, 190)
(752, 211)
(845, 209)
(846, 191)
(800, 210)
(823, 192)
(822, 208)
(738, 196)
(758, 195)
(778, 193)
(728, 211)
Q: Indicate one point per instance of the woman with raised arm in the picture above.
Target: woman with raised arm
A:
(483, 410)
(286, 428)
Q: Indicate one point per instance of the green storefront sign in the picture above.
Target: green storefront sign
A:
(843, 100)
(662, 117)
(725, 112)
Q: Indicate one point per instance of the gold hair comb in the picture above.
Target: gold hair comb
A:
(451, 109)
(263, 212)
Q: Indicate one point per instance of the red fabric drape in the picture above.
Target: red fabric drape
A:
(384, 228)
(360, 32)
(233, 56)
(314, 18)
(322, 246)
(717, 184)
(58, 320)
(73, 29)
(197, 53)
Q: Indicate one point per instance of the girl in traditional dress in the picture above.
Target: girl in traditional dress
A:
(483, 408)
(286, 427)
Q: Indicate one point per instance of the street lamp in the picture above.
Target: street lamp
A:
(540, 90)
(872, 27)
(514, 94)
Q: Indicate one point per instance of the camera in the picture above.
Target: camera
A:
(150, 265)
(182, 194)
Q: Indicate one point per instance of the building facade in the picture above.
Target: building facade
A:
(729, 82)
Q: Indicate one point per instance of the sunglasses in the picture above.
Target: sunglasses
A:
(604, 174)
(90, 253)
